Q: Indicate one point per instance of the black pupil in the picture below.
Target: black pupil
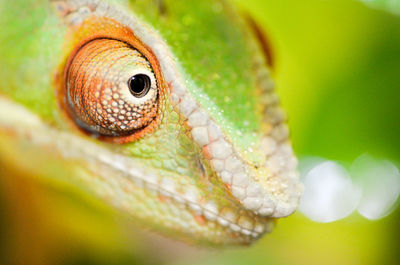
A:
(139, 85)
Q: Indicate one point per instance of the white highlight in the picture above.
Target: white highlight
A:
(380, 184)
(329, 194)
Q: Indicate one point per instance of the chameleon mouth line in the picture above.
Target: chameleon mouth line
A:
(27, 125)
(226, 217)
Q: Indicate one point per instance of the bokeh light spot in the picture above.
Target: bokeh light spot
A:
(380, 184)
(329, 193)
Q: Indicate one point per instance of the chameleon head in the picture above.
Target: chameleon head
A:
(181, 130)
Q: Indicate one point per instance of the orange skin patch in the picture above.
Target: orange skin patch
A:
(163, 198)
(96, 28)
(206, 152)
(200, 220)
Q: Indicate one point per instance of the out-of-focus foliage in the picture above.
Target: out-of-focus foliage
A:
(337, 71)
(388, 5)
(338, 75)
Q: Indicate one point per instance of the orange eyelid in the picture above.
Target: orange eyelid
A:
(104, 28)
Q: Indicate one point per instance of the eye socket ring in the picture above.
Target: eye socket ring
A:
(101, 113)
(104, 96)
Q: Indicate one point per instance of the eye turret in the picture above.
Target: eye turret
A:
(111, 89)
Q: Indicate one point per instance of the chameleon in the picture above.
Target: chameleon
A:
(165, 110)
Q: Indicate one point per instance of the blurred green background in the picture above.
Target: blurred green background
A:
(337, 68)
(336, 65)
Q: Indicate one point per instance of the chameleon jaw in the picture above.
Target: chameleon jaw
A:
(122, 177)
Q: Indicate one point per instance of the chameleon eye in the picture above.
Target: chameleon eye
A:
(111, 89)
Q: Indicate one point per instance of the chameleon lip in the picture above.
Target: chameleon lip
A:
(271, 189)
(26, 124)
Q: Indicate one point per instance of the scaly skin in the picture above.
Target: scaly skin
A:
(217, 168)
